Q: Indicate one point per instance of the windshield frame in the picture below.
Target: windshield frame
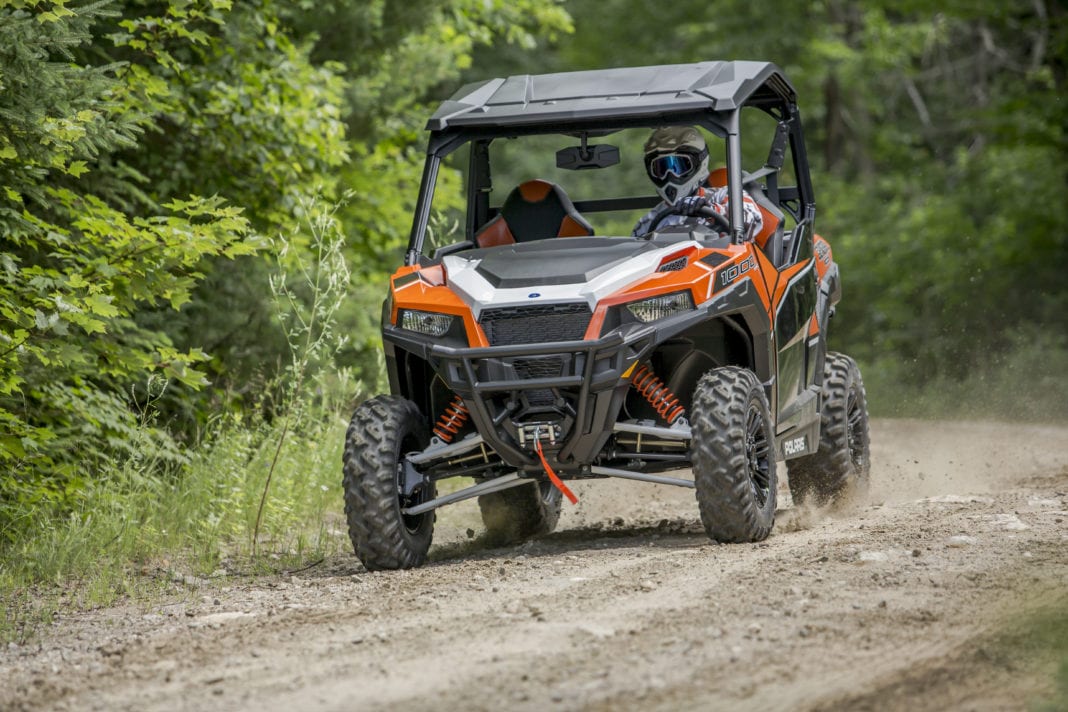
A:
(722, 124)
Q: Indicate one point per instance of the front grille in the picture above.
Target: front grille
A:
(541, 396)
(545, 323)
(537, 367)
(526, 368)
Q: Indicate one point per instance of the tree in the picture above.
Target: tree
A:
(400, 58)
(152, 152)
(938, 142)
(100, 223)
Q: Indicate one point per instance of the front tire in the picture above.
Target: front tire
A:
(382, 430)
(519, 513)
(733, 455)
(842, 465)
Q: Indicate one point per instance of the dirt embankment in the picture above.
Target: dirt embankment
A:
(899, 603)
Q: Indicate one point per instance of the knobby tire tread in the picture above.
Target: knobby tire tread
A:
(829, 474)
(372, 446)
(729, 508)
(520, 513)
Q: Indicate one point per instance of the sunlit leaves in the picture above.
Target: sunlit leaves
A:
(76, 262)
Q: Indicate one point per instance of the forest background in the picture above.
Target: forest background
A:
(200, 202)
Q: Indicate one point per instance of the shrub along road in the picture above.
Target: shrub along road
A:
(944, 589)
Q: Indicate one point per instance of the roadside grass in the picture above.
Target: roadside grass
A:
(143, 532)
(1060, 699)
(1026, 384)
(1038, 639)
(257, 494)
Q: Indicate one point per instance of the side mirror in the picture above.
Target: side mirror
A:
(577, 158)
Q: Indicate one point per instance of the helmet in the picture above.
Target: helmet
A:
(676, 159)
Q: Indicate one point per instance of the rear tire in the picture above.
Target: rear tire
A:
(519, 513)
(842, 465)
(733, 455)
(382, 430)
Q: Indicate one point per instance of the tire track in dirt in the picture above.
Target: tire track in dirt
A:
(880, 607)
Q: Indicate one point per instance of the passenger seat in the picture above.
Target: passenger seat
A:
(534, 210)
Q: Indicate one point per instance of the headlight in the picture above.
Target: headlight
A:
(661, 307)
(428, 323)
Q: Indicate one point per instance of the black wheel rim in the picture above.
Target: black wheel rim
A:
(856, 434)
(757, 454)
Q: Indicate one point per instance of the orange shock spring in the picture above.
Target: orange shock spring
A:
(664, 402)
(451, 420)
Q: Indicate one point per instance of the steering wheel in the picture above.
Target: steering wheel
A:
(720, 220)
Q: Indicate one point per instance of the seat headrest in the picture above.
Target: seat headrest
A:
(538, 209)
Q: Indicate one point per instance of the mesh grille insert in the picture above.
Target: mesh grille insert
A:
(542, 396)
(537, 367)
(545, 323)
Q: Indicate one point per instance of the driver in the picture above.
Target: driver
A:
(676, 159)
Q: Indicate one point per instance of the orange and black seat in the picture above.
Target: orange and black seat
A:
(535, 210)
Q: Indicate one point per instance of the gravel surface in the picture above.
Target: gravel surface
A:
(896, 603)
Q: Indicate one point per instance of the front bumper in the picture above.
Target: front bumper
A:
(586, 395)
(590, 381)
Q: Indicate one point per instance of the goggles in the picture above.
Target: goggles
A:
(676, 164)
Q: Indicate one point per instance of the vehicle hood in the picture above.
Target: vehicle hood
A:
(552, 271)
(550, 262)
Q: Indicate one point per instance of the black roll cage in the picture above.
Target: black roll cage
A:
(724, 124)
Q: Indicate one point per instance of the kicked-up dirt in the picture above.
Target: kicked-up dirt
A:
(915, 599)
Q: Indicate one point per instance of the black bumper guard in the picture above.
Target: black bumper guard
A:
(595, 368)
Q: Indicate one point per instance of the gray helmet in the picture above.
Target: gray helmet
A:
(676, 159)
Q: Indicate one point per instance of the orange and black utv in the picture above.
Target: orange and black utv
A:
(529, 352)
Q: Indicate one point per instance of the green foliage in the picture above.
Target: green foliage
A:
(77, 264)
(142, 519)
(400, 59)
(247, 115)
(251, 119)
(151, 154)
(938, 143)
(137, 531)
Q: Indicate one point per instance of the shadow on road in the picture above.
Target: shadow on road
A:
(674, 533)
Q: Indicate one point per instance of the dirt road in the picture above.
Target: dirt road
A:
(906, 602)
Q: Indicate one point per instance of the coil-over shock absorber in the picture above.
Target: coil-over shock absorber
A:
(660, 397)
(452, 420)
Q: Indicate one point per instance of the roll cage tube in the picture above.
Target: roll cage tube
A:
(734, 176)
(422, 209)
(443, 143)
(801, 169)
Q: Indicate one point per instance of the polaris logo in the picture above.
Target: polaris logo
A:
(793, 447)
(533, 295)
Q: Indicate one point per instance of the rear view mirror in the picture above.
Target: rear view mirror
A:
(577, 158)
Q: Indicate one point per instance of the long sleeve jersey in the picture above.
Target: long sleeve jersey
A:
(752, 219)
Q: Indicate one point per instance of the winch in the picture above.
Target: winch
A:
(531, 433)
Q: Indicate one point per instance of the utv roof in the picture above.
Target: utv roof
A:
(624, 93)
